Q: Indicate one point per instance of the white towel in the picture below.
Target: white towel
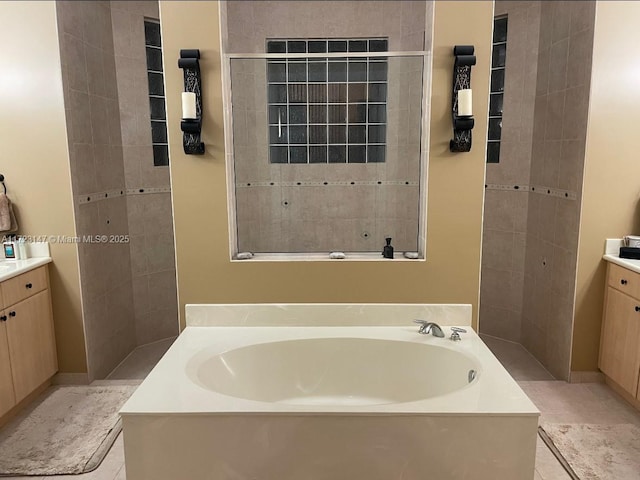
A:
(8, 223)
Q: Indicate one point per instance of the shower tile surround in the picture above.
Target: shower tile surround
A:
(530, 233)
(107, 153)
(96, 161)
(332, 197)
(149, 207)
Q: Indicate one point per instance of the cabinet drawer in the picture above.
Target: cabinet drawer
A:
(23, 286)
(621, 279)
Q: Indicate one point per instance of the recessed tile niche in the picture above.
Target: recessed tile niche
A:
(326, 121)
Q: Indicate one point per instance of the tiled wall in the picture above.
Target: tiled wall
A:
(250, 23)
(505, 220)
(95, 154)
(559, 135)
(312, 216)
(149, 211)
(531, 234)
(128, 289)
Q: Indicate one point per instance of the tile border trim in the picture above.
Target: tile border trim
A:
(107, 194)
(340, 183)
(539, 189)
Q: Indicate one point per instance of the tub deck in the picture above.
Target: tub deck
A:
(175, 428)
(170, 389)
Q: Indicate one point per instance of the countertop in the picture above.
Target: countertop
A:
(612, 254)
(13, 268)
(633, 265)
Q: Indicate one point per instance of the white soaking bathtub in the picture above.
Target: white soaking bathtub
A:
(279, 392)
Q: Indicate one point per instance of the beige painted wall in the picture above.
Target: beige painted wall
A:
(455, 196)
(35, 159)
(611, 188)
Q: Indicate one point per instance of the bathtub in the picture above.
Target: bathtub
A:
(328, 392)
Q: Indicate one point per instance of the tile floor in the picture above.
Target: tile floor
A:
(558, 401)
(140, 362)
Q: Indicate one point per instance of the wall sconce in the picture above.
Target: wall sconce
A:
(461, 100)
(191, 124)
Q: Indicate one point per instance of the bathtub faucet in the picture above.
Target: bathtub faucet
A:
(429, 328)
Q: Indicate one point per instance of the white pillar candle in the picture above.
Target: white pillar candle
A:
(465, 103)
(189, 105)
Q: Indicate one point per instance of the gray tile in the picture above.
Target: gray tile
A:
(516, 359)
(162, 290)
(70, 18)
(79, 111)
(558, 65)
(554, 115)
(561, 20)
(141, 361)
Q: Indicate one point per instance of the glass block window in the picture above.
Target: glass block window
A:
(155, 75)
(327, 109)
(497, 89)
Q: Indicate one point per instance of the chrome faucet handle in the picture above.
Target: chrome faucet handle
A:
(429, 327)
(423, 325)
(455, 333)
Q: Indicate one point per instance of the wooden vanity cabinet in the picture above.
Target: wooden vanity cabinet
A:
(620, 338)
(7, 395)
(27, 342)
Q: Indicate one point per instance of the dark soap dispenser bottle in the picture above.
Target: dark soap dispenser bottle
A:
(387, 251)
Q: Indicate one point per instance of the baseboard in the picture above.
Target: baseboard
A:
(70, 379)
(623, 393)
(586, 377)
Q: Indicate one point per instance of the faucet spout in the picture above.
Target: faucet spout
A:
(429, 328)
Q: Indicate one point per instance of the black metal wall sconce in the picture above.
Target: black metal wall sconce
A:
(461, 100)
(191, 124)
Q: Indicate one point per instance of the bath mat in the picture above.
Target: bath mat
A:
(68, 431)
(598, 452)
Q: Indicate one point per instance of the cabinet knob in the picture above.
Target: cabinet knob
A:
(637, 308)
(13, 314)
(29, 285)
(623, 281)
(3, 318)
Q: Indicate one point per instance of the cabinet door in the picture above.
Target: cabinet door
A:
(31, 343)
(7, 396)
(619, 357)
